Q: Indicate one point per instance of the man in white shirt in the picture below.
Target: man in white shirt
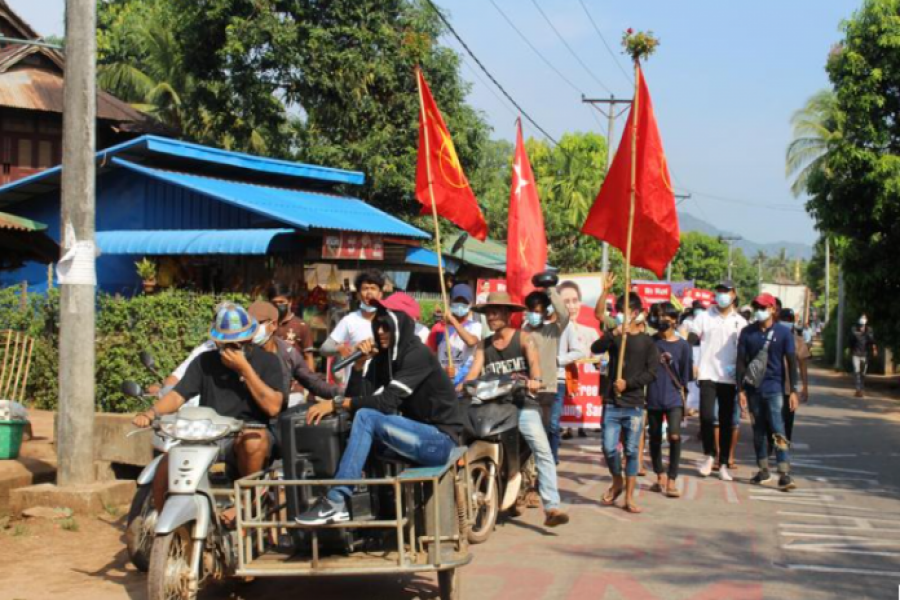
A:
(463, 332)
(574, 345)
(718, 329)
(357, 326)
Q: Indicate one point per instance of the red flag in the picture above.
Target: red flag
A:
(655, 238)
(526, 242)
(438, 161)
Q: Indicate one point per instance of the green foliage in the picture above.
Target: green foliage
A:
(69, 524)
(146, 269)
(168, 325)
(814, 127)
(856, 194)
(704, 259)
(639, 45)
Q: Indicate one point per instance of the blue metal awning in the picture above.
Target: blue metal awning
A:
(428, 258)
(297, 208)
(192, 242)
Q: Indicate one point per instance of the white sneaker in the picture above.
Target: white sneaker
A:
(706, 466)
(724, 475)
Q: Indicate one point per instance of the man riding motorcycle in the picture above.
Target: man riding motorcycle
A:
(403, 377)
(239, 381)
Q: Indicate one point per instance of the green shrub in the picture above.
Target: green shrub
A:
(168, 325)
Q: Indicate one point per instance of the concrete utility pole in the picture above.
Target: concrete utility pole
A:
(839, 350)
(75, 435)
(730, 240)
(827, 279)
(610, 114)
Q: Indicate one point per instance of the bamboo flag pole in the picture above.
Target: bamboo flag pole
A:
(634, 129)
(437, 224)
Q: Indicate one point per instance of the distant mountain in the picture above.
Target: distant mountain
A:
(689, 222)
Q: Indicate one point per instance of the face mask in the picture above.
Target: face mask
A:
(762, 315)
(367, 308)
(550, 311)
(282, 311)
(459, 309)
(262, 335)
(639, 319)
(863, 321)
(698, 312)
(664, 326)
(620, 319)
(723, 300)
(534, 319)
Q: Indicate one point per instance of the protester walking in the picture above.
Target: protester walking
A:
(625, 399)
(788, 319)
(862, 342)
(767, 360)
(718, 329)
(666, 398)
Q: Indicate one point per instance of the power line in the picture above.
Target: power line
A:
(488, 73)
(742, 202)
(603, 39)
(568, 47)
(535, 50)
(489, 87)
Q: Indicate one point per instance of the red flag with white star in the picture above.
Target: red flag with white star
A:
(526, 249)
(449, 190)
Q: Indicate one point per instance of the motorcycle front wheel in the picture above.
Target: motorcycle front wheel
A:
(486, 501)
(139, 530)
(170, 577)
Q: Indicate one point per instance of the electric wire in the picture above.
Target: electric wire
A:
(490, 76)
(489, 87)
(569, 48)
(603, 39)
(535, 50)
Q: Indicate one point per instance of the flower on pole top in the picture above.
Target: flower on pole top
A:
(640, 45)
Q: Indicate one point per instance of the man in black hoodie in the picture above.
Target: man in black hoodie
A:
(405, 402)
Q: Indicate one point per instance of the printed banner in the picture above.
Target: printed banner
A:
(583, 406)
(705, 296)
(487, 286)
(352, 246)
(653, 293)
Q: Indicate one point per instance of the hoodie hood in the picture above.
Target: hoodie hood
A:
(403, 334)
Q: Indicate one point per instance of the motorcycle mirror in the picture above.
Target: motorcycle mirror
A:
(132, 389)
(147, 360)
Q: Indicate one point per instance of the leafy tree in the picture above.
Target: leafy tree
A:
(856, 194)
(814, 127)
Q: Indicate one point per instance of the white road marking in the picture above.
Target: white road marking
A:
(799, 446)
(844, 570)
(838, 548)
(691, 488)
(860, 522)
(808, 465)
(731, 493)
(810, 501)
(826, 536)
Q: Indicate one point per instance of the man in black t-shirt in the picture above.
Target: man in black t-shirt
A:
(239, 380)
(862, 340)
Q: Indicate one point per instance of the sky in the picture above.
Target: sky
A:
(725, 81)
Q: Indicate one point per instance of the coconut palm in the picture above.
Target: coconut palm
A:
(815, 127)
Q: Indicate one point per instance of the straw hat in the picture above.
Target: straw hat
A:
(500, 300)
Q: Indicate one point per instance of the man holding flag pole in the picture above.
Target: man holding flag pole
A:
(637, 185)
(441, 185)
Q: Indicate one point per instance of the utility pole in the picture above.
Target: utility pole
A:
(611, 115)
(839, 350)
(827, 279)
(75, 441)
(730, 240)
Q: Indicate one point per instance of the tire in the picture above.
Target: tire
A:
(449, 584)
(169, 577)
(483, 486)
(138, 534)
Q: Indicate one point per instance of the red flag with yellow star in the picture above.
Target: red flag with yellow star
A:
(526, 241)
(439, 165)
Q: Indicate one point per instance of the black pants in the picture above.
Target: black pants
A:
(787, 415)
(673, 417)
(725, 394)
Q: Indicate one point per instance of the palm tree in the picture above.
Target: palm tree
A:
(815, 127)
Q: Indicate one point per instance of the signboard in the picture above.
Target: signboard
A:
(705, 296)
(583, 406)
(352, 246)
(653, 293)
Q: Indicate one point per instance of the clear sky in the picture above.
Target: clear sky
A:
(725, 81)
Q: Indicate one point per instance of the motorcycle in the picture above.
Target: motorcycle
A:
(501, 467)
(141, 515)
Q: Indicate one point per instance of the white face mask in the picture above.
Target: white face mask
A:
(262, 335)
(863, 321)
(366, 308)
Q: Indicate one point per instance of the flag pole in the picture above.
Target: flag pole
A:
(634, 129)
(437, 224)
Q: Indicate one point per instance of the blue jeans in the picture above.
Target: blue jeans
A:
(617, 420)
(531, 426)
(768, 421)
(423, 444)
(554, 430)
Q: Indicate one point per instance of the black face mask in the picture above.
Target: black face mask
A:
(282, 311)
(663, 326)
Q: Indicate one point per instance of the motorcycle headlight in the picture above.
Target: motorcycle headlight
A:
(194, 431)
(490, 390)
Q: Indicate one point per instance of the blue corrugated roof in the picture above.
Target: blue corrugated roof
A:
(194, 241)
(428, 258)
(178, 148)
(303, 209)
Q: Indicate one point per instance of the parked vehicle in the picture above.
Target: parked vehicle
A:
(500, 465)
